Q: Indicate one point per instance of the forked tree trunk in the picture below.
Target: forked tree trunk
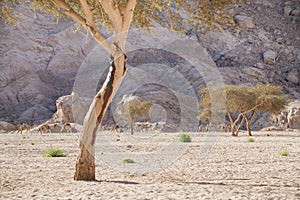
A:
(232, 124)
(248, 121)
(85, 164)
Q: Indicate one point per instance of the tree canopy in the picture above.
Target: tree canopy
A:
(175, 14)
(134, 110)
(244, 101)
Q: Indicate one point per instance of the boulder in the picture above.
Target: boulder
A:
(272, 128)
(244, 21)
(287, 10)
(295, 12)
(293, 77)
(6, 127)
(71, 108)
(294, 115)
(270, 57)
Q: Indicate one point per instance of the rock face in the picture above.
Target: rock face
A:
(39, 60)
(294, 115)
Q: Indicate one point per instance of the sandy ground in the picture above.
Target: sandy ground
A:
(232, 169)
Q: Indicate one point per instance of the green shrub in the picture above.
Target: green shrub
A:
(184, 138)
(284, 153)
(32, 143)
(54, 152)
(250, 139)
(127, 160)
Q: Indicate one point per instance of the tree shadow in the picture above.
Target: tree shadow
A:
(237, 184)
(118, 181)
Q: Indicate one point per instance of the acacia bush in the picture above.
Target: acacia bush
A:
(134, 110)
(244, 102)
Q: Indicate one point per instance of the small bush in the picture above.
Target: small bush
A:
(128, 160)
(32, 143)
(250, 139)
(284, 153)
(184, 138)
(54, 152)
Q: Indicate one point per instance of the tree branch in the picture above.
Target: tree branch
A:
(88, 14)
(113, 13)
(89, 24)
(128, 14)
(70, 11)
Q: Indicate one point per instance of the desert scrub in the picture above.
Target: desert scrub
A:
(284, 152)
(127, 160)
(184, 138)
(54, 152)
(32, 143)
(250, 139)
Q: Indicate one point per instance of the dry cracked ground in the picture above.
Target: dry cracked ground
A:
(231, 168)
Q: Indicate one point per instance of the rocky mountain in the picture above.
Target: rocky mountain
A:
(40, 57)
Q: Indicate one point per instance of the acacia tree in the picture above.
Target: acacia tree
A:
(269, 98)
(238, 100)
(136, 109)
(117, 16)
(244, 102)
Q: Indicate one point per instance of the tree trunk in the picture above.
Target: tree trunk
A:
(85, 164)
(131, 127)
(248, 121)
(232, 124)
(240, 126)
(248, 127)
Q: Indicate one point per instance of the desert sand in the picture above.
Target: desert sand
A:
(232, 169)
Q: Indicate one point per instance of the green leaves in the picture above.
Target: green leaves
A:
(174, 14)
(266, 98)
(138, 108)
(184, 138)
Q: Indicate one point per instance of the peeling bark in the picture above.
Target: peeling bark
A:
(85, 164)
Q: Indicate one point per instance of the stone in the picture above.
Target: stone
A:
(295, 13)
(71, 108)
(244, 21)
(270, 57)
(287, 10)
(259, 65)
(6, 127)
(272, 128)
(293, 77)
(264, 2)
(294, 115)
